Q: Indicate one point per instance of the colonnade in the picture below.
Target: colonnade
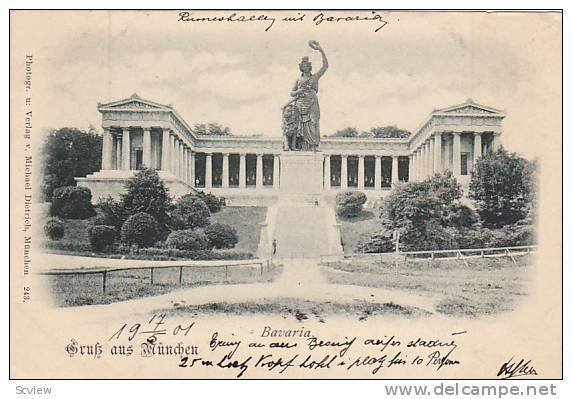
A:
(375, 179)
(454, 151)
(131, 148)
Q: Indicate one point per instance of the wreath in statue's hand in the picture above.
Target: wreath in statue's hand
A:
(314, 45)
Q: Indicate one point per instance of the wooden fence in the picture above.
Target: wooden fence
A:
(104, 271)
(447, 254)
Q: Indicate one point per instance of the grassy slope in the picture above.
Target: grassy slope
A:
(353, 228)
(487, 286)
(245, 220)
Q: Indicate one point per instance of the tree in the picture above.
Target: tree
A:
(68, 153)
(72, 202)
(426, 214)
(190, 212)
(390, 132)
(213, 202)
(503, 186)
(346, 132)
(221, 235)
(350, 203)
(211, 129)
(147, 193)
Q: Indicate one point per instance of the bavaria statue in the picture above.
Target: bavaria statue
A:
(301, 116)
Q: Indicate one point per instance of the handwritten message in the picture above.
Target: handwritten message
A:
(274, 351)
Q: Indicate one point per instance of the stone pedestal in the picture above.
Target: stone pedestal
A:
(112, 182)
(301, 172)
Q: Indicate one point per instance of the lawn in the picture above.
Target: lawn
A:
(352, 228)
(79, 290)
(488, 286)
(245, 219)
(300, 309)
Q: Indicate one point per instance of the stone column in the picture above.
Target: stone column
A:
(119, 151)
(344, 177)
(361, 172)
(259, 176)
(185, 164)
(181, 161)
(416, 165)
(242, 171)
(192, 168)
(126, 157)
(437, 153)
(172, 154)
(225, 170)
(147, 147)
(377, 184)
(422, 163)
(430, 146)
(276, 172)
(445, 157)
(477, 146)
(176, 156)
(208, 171)
(495, 142)
(327, 172)
(456, 153)
(410, 168)
(165, 161)
(107, 150)
(394, 170)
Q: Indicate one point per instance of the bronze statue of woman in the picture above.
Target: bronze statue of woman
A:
(305, 134)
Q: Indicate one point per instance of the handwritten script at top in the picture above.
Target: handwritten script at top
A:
(268, 20)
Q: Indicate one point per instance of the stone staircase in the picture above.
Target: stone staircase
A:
(301, 231)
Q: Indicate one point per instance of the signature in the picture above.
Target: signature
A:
(513, 369)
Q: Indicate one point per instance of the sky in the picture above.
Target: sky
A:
(239, 75)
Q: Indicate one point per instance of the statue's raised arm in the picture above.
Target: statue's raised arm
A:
(316, 46)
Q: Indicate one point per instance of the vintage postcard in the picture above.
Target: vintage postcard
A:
(295, 194)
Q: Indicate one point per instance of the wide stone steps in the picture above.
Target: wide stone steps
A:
(301, 231)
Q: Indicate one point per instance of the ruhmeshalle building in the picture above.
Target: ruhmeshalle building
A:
(140, 133)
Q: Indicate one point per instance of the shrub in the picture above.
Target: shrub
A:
(188, 240)
(190, 212)
(503, 186)
(376, 242)
(173, 253)
(112, 214)
(68, 246)
(221, 235)
(72, 202)
(141, 229)
(101, 237)
(212, 201)
(350, 203)
(147, 193)
(513, 235)
(54, 229)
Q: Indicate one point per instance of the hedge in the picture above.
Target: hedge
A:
(72, 202)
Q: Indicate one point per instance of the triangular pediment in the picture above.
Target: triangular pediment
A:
(469, 107)
(133, 102)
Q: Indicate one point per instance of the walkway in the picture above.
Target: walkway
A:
(301, 231)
